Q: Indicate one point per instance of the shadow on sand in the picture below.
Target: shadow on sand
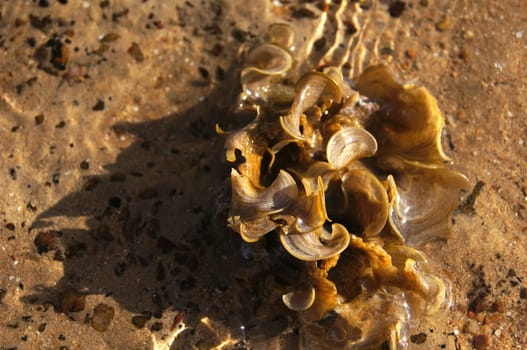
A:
(156, 238)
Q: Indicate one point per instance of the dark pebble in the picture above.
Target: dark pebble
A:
(136, 53)
(140, 320)
(98, 106)
(110, 37)
(10, 226)
(72, 301)
(102, 317)
(3, 293)
(203, 72)
(42, 327)
(397, 8)
(239, 34)
(523, 292)
(59, 53)
(39, 119)
(46, 241)
(418, 338)
(31, 41)
(320, 43)
(85, 164)
(43, 3)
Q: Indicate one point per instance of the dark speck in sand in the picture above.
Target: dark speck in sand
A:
(136, 52)
(99, 105)
(85, 164)
(39, 119)
(467, 207)
(139, 321)
(419, 338)
(397, 8)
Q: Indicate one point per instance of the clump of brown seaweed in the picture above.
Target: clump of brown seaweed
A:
(348, 178)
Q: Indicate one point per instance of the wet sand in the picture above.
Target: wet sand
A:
(114, 176)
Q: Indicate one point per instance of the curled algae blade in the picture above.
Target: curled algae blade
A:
(351, 179)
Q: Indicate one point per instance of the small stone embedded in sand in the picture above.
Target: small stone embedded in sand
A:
(72, 301)
(98, 106)
(418, 338)
(39, 119)
(47, 240)
(85, 164)
(102, 317)
(136, 52)
(397, 8)
(109, 37)
(140, 320)
(482, 341)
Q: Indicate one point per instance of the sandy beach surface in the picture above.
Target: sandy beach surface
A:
(113, 175)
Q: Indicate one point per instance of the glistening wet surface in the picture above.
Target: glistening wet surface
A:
(115, 181)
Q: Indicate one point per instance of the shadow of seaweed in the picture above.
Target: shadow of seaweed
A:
(155, 235)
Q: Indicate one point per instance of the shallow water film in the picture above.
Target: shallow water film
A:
(279, 175)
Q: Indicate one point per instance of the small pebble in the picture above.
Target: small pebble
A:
(482, 341)
(136, 52)
(98, 106)
(418, 338)
(140, 320)
(39, 119)
(102, 317)
(72, 301)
